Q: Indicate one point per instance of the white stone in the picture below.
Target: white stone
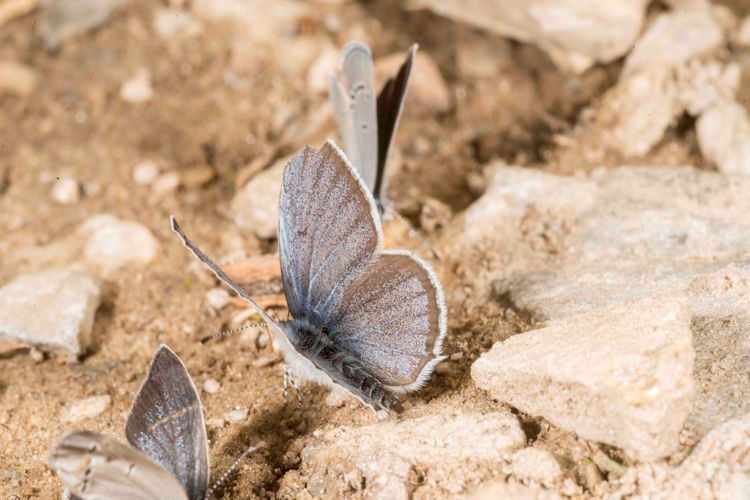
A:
(52, 309)
(211, 386)
(620, 375)
(443, 446)
(535, 464)
(66, 191)
(217, 298)
(256, 205)
(137, 89)
(171, 21)
(724, 137)
(16, 79)
(166, 183)
(114, 243)
(673, 38)
(145, 172)
(81, 409)
(575, 33)
(237, 415)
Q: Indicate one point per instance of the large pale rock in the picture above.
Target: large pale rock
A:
(53, 310)
(575, 33)
(449, 449)
(113, 243)
(724, 137)
(674, 38)
(256, 206)
(518, 196)
(620, 375)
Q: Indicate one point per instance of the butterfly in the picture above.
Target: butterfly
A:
(367, 127)
(167, 455)
(367, 320)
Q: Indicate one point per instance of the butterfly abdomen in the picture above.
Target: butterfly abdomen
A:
(343, 367)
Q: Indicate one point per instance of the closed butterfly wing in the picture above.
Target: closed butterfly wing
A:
(96, 466)
(390, 105)
(393, 319)
(328, 230)
(358, 123)
(166, 423)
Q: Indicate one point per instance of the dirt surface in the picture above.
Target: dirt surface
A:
(75, 124)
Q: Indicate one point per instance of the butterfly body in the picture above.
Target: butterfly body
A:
(314, 356)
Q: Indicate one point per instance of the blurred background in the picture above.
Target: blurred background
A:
(116, 113)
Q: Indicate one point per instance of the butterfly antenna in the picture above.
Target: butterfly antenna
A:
(230, 332)
(413, 232)
(198, 253)
(232, 467)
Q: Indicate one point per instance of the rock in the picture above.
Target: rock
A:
(256, 206)
(717, 468)
(448, 450)
(81, 409)
(743, 34)
(66, 191)
(12, 9)
(137, 89)
(481, 56)
(620, 375)
(576, 34)
(114, 243)
(166, 183)
(217, 298)
(427, 89)
(516, 196)
(635, 113)
(236, 415)
(512, 490)
(701, 85)
(53, 310)
(324, 65)
(197, 176)
(724, 137)
(535, 464)
(145, 172)
(212, 386)
(674, 38)
(16, 79)
(61, 20)
(435, 215)
(171, 21)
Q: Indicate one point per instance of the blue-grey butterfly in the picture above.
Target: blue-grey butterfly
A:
(168, 453)
(367, 320)
(367, 127)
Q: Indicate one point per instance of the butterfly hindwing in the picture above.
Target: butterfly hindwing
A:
(96, 466)
(166, 423)
(393, 319)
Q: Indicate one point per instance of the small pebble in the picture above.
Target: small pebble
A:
(217, 298)
(215, 423)
(81, 409)
(236, 415)
(197, 177)
(138, 89)
(166, 183)
(36, 355)
(145, 172)
(211, 386)
(66, 191)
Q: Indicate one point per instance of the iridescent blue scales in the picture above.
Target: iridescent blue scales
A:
(367, 320)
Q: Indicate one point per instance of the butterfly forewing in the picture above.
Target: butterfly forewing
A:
(390, 104)
(358, 82)
(392, 318)
(166, 423)
(328, 230)
(95, 466)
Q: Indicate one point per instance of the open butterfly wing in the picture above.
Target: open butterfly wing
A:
(328, 230)
(393, 319)
(96, 466)
(166, 423)
(390, 105)
(357, 121)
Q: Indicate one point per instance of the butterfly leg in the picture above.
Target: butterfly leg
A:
(288, 377)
